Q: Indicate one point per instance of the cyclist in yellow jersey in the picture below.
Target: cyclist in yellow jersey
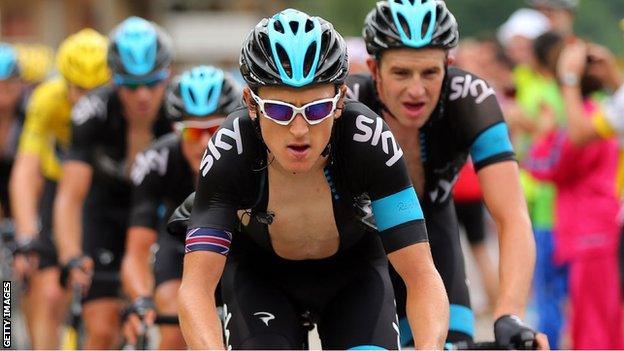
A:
(81, 60)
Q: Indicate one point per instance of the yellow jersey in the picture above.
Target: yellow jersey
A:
(47, 126)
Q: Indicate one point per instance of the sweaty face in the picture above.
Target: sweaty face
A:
(143, 100)
(409, 82)
(297, 147)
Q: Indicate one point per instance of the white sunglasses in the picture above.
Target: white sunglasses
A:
(283, 113)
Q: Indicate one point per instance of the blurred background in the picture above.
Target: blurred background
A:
(211, 31)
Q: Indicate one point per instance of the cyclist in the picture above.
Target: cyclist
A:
(304, 167)
(12, 100)
(164, 175)
(109, 127)
(81, 61)
(440, 115)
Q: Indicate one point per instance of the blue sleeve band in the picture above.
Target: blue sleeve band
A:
(396, 209)
(493, 141)
(461, 320)
(366, 347)
(405, 332)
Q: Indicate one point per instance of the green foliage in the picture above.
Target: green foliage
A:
(597, 20)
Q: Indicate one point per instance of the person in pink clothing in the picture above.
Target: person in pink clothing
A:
(586, 230)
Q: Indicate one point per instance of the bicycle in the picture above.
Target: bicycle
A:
(73, 331)
(143, 340)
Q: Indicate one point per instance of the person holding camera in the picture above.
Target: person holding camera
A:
(586, 231)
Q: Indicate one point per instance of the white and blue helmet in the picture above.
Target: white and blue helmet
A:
(202, 91)
(410, 23)
(139, 50)
(295, 49)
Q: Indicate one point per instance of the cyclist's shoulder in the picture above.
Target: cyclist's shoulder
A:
(465, 87)
(469, 98)
(235, 146)
(155, 160)
(238, 126)
(50, 93)
(360, 86)
(168, 141)
(365, 137)
(93, 106)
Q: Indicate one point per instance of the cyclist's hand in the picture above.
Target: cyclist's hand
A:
(25, 258)
(78, 271)
(511, 333)
(542, 342)
(24, 265)
(141, 315)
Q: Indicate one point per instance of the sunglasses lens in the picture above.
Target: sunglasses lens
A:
(278, 112)
(194, 134)
(149, 84)
(319, 111)
(131, 86)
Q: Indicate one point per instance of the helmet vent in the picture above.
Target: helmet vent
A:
(192, 95)
(309, 26)
(427, 21)
(294, 26)
(283, 58)
(309, 59)
(278, 27)
(403, 23)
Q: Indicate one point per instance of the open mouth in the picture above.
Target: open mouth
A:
(299, 151)
(299, 148)
(414, 106)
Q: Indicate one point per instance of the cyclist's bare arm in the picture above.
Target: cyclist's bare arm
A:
(505, 201)
(72, 190)
(25, 187)
(198, 313)
(427, 303)
(136, 273)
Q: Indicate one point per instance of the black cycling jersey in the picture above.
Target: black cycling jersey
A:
(8, 149)
(467, 121)
(268, 299)
(366, 170)
(162, 177)
(99, 138)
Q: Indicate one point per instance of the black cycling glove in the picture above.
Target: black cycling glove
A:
(512, 334)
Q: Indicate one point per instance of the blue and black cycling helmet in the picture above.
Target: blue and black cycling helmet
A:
(202, 91)
(139, 49)
(295, 49)
(410, 23)
(8, 62)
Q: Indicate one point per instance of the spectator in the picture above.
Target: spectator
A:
(586, 231)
